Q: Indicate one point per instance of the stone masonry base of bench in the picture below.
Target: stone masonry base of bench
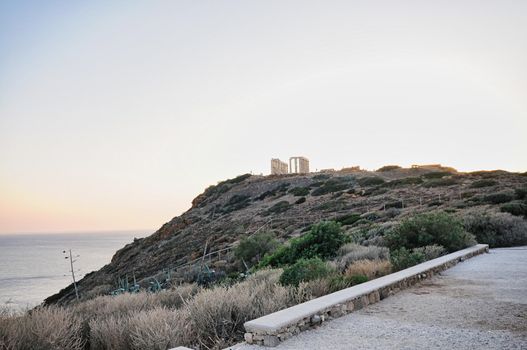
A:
(271, 329)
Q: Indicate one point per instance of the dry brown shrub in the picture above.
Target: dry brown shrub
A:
(48, 328)
(315, 288)
(159, 329)
(120, 305)
(110, 333)
(217, 315)
(176, 296)
(97, 291)
(351, 252)
(184, 315)
(125, 304)
(369, 268)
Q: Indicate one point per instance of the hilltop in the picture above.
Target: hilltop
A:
(287, 205)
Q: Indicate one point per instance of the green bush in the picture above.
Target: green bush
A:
(238, 179)
(483, 183)
(403, 258)
(218, 189)
(337, 282)
(404, 182)
(252, 249)
(333, 205)
(497, 229)
(521, 193)
(370, 181)
(388, 168)
(515, 208)
(323, 241)
(300, 200)
(431, 251)
(372, 234)
(279, 207)
(237, 202)
(321, 177)
(358, 279)
(279, 191)
(299, 191)
(428, 229)
(440, 182)
(498, 198)
(348, 219)
(436, 174)
(333, 185)
(394, 204)
(304, 270)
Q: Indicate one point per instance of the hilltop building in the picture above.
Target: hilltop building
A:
(278, 167)
(297, 165)
(300, 165)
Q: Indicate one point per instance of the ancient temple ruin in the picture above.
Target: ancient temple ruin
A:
(297, 165)
(278, 167)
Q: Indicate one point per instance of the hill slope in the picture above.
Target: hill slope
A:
(288, 205)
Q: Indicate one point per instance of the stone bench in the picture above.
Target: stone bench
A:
(271, 329)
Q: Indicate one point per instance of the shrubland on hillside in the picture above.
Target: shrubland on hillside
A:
(366, 204)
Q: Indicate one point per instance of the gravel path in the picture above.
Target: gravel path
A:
(478, 304)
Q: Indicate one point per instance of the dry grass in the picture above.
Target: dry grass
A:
(351, 252)
(109, 333)
(431, 251)
(315, 288)
(186, 315)
(159, 329)
(43, 329)
(220, 323)
(369, 268)
(125, 304)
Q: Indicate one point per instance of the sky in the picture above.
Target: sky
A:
(115, 115)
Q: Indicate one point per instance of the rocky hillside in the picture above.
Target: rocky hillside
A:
(288, 205)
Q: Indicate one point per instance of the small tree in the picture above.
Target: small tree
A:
(251, 249)
(428, 229)
(322, 241)
(304, 270)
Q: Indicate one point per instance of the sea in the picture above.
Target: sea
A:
(33, 266)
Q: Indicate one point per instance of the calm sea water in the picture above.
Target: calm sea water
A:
(32, 266)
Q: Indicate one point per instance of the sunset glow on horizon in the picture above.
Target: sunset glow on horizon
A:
(115, 116)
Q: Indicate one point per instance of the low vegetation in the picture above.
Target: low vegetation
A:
(333, 185)
(370, 181)
(499, 197)
(497, 229)
(427, 229)
(351, 253)
(299, 191)
(388, 168)
(371, 269)
(440, 182)
(515, 208)
(483, 183)
(322, 241)
(279, 207)
(383, 222)
(211, 318)
(252, 249)
(304, 270)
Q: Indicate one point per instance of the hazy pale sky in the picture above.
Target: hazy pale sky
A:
(115, 114)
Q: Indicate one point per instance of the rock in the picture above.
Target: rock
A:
(248, 337)
(271, 340)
